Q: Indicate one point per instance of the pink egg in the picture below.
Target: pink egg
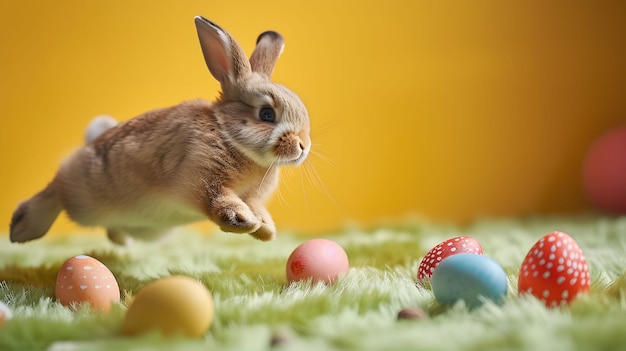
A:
(85, 279)
(318, 260)
(604, 172)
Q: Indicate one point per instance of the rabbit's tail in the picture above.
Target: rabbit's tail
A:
(33, 217)
(97, 126)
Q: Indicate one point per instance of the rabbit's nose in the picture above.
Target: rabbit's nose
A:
(304, 140)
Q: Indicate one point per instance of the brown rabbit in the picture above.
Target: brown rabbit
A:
(185, 163)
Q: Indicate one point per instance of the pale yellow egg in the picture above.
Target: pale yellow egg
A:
(174, 305)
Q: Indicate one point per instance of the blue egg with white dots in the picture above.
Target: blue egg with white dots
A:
(471, 278)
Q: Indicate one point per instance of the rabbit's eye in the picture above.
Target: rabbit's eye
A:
(267, 114)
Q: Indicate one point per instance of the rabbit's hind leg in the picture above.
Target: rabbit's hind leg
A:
(126, 236)
(33, 217)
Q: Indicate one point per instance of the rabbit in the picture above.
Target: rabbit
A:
(194, 161)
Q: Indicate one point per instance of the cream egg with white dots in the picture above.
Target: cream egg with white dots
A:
(84, 279)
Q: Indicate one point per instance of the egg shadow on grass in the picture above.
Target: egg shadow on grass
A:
(437, 308)
(306, 285)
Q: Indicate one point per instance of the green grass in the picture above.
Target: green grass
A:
(255, 304)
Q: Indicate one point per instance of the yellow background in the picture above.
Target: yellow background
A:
(449, 110)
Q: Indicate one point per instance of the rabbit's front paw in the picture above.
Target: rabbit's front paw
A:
(238, 220)
(265, 232)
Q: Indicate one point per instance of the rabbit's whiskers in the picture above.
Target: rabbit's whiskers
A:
(314, 178)
(273, 165)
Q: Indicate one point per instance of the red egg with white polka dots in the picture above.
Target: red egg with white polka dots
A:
(453, 246)
(555, 270)
(85, 279)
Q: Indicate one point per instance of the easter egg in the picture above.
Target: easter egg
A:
(175, 305)
(5, 313)
(604, 172)
(318, 260)
(469, 277)
(555, 270)
(457, 245)
(85, 279)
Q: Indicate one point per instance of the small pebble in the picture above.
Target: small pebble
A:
(279, 338)
(411, 314)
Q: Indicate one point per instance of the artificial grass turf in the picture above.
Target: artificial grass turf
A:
(257, 309)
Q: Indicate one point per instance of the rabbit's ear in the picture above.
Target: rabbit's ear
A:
(224, 57)
(269, 46)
